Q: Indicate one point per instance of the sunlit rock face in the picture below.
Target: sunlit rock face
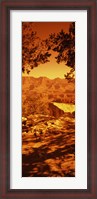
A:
(55, 111)
(59, 109)
(67, 108)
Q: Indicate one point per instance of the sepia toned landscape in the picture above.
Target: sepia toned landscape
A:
(48, 99)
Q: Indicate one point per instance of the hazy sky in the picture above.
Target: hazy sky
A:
(51, 69)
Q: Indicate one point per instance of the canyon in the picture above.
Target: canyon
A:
(48, 128)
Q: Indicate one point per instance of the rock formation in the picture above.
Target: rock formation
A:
(55, 111)
(60, 109)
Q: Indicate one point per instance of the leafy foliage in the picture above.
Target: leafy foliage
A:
(34, 50)
(64, 44)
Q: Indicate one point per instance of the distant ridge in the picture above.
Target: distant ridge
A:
(43, 77)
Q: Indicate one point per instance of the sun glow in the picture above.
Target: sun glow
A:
(51, 70)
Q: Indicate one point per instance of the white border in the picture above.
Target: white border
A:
(80, 180)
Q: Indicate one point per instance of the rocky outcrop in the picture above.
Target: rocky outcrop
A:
(48, 146)
(59, 109)
(55, 111)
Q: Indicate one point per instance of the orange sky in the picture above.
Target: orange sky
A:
(51, 69)
(43, 29)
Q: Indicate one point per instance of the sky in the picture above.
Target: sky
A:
(50, 69)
